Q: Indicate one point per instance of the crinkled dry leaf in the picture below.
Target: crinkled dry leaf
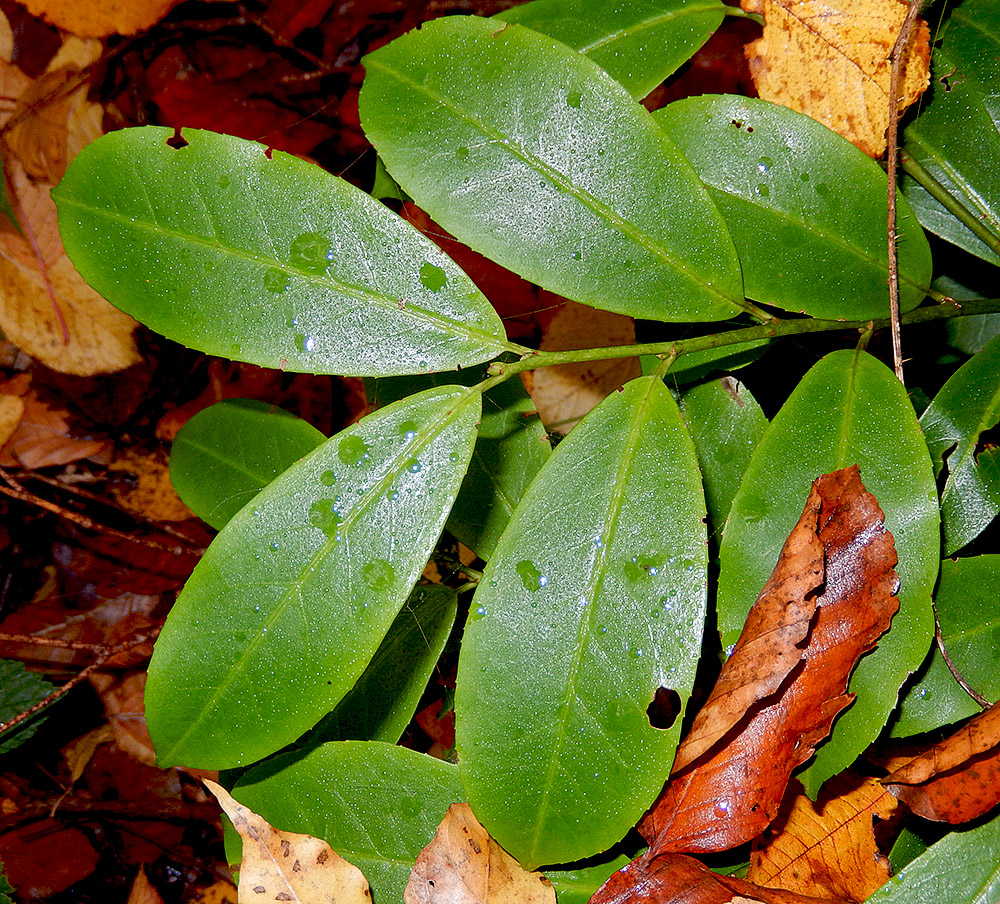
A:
(829, 59)
(827, 848)
(564, 393)
(100, 18)
(676, 879)
(464, 865)
(285, 866)
(731, 771)
(957, 780)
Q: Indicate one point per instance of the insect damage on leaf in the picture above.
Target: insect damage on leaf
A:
(830, 597)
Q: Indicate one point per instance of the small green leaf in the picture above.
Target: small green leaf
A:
(594, 599)
(289, 604)
(376, 805)
(5, 887)
(933, 698)
(255, 255)
(382, 703)
(532, 155)
(961, 867)
(225, 455)
(20, 689)
(510, 448)
(965, 406)
(726, 424)
(849, 409)
(805, 207)
(638, 42)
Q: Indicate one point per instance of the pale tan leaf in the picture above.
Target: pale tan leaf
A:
(100, 18)
(80, 751)
(143, 891)
(285, 866)
(464, 865)
(11, 409)
(829, 59)
(564, 393)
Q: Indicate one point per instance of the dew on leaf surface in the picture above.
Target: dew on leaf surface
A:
(352, 450)
(378, 574)
(276, 281)
(311, 252)
(323, 514)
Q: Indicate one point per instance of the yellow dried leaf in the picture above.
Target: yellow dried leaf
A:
(11, 409)
(100, 18)
(826, 849)
(464, 865)
(285, 866)
(829, 59)
(152, 495)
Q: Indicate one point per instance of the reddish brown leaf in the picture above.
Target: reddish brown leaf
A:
(958, 779)
(676, 879)
(786, 681)
(826, 848)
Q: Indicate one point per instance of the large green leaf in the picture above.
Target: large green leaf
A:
(225, 455)
(726, 424)
(956, 140)
(375, 804)
(965, 406)
(284, 612)
(510, 448)
(594, 599)
(962, 868)
(967, 603)
(239, 251)
(638, 42)
(805, 207)
(849, 409)
(532, 155)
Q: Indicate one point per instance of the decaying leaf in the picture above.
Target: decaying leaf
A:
(771, 706)
(464, 865)
(827, 848)
(285, 866)
(957, 780)
(100, 18)
(152, 495)
(676, 879)
(829, 59)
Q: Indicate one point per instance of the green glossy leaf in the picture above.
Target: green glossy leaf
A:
(594, 599)
(532, 155)
(726, 424)
(282, 615)
(225, 455)
(375, 804)
(577, 885)
(20, 689)
(967, 603)
(956, 140)
(639, 42)
(962, 868)
(907, 848)
(849, 409)
(382, 703)
(510, 448)
(805, 207)
(965, 406)
(256, 255)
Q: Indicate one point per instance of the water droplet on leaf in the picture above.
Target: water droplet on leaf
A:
(352, 450)
(378, 574)
(311, 252)
(433, 277)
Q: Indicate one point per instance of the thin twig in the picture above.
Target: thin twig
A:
(79, 677)
(897, 56)
(956, 674)
(36, 641)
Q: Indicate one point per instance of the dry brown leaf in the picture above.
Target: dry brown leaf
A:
(731, 772)
(677, 879)
(79, 752)
(957, 780)
(143, 891)
(11, 410)
(464, 865)
(826, 848)
(100, 18)
(564, 393)
(153, 495)
(829, 59)
(286, 866)
(124, 705)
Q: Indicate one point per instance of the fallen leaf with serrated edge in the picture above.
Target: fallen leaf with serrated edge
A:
(827, 848)
(829, 59)
(285, 866)
(464, 865)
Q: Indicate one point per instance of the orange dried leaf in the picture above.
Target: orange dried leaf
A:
(100, 18)
(771, 706)
(829, 59)
(285, 866)
(826, 848)
(957, 780)
(676, 879)
(464, 865)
